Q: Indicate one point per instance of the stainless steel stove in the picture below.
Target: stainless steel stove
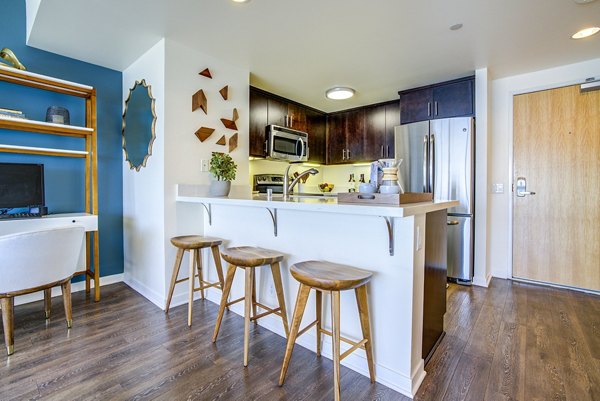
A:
(262, 182)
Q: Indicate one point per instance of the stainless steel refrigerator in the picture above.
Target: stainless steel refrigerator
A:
(438, 157)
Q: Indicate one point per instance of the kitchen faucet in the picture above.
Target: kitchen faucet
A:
(287, 187)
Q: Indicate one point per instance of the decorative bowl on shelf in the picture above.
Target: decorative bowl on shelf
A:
(325, 187)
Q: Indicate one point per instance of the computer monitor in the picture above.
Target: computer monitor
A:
(21, 185)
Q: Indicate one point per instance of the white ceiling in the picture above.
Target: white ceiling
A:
(298, 49)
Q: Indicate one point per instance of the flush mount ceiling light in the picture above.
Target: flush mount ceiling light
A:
(584, 33)
(339, 93)
(456, 27)
(583, 1)
(240, 1)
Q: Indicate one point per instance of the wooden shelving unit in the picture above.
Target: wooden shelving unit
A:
(89, 133)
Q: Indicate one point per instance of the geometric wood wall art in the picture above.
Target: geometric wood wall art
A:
(229, 124)
(233, 142)
(236, 115)
(224, 92)
(206, 73)
(199, 101)
(222, 141)
(204, 132)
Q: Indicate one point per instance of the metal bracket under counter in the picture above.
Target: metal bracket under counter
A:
(273, 214)
(389, 221)
(209, 212)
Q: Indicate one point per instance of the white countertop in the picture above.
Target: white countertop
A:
(192, 193)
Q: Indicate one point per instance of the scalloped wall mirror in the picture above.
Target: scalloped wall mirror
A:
(139, 121)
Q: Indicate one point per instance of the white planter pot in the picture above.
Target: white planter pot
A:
(220, 188)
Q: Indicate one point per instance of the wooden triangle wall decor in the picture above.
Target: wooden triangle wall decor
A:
(229, 124)
(224, 92)
(206, 73)
(203, 133)
(236, 115)
(222, 141)
(199, 101)
(233, 142)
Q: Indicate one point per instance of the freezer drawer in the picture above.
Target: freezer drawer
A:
(460, 248)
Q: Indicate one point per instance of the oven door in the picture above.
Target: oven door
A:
(288, 146)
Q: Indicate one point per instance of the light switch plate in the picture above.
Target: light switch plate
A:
(498, 188)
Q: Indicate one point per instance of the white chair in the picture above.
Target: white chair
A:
(36, 261)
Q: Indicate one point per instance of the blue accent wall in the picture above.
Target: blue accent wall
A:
(64, 177)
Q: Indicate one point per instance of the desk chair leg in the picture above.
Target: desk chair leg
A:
(66, 292)
(301, 299)
(48, 302)
(199, 268)
(191, 280)
(363, 312)
(276, 271)
(319, 314)
(226, 290)
(335, 330)
(247, 307)
(174, 275)
(7, 321)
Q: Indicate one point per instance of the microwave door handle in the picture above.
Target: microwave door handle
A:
(303, 153)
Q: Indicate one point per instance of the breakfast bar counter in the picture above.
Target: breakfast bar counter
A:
(401, 245)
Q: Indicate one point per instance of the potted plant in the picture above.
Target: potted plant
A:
(223, 169)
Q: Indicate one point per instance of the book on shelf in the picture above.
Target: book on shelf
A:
(10, 111)
(13, 116)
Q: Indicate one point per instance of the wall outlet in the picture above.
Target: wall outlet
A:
(204, 165)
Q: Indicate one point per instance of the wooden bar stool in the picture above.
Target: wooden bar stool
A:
(194, 244)
(331, 278)
(248, 258)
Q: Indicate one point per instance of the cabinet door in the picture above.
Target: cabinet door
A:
(336, 138)
(317, 136)
(258, 123)
(297, 117)
(416, 105)
(355, 135)
(392, 119)
(277, 112)
(454, 100)
(375, 133)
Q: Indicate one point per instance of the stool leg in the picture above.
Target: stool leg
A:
(247, 304)
(218, 266)
(301, 299)
(47, 302)
(7, 321)
(199, 268)
(275, 270)
(226, 290)
(66, 293)
(335, 330)
(254, 312)
(174, 275)
(191, 285)
(363, 311)
(319, 313)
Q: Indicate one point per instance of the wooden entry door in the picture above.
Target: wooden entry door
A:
(556, 231)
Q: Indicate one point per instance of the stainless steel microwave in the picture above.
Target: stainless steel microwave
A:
(286, 144)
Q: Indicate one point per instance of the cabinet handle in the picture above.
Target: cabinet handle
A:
(348, 154)
(343, 154)
(436, 108)
(428, 109)
(382, 151)
(292, 120)
(387, 151)
(266, 150)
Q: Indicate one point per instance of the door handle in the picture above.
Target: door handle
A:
(453, 222)
(425, 163)
(432, 164)
(522, 187)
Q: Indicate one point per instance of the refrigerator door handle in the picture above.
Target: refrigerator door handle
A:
(425, 188)
(432, 163)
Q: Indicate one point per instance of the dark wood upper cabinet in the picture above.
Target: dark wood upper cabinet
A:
(355, 135)
(449, 99)
(258, 123)
(392, 119)
(375, 133)
(277, 112)
(316, 127)
(336, 138)
(296, 117)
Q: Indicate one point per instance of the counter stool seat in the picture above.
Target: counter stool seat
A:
(194, 244)
(195, 241)
(329, 276)
(248, 258)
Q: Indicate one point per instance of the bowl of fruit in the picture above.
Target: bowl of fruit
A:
(325, 187)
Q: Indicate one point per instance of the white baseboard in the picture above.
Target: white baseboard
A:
(148, 293)
(75, 287)
(482, 281)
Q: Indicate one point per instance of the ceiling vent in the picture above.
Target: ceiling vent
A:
(590, 84)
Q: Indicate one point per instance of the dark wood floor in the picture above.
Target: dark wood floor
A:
(509, 342)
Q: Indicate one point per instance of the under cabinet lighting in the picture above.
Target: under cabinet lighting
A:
(339, 93)
(311, 164)
(587, 32)
(361, 164)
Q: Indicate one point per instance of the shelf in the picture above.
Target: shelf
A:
(21, 124)
(42, 151)
(39, 81)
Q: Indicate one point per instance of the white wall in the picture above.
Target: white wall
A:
(143, 191)
(500, 162)
(183, 150)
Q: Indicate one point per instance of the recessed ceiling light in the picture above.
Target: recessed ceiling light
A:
(456, 27)
(584, 33)
(339, 93)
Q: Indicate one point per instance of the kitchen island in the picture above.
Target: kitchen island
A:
(391, 241)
